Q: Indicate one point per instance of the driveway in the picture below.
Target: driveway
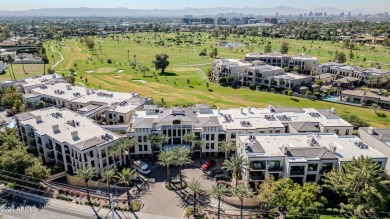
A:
(160, 201)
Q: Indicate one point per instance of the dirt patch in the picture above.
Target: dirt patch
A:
(105, 70)
(183, 69)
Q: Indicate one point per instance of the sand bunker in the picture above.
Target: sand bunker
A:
(142, 81)
(105, 70)
(90, 71)
(120, 71)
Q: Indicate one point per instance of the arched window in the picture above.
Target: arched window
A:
(176, 122)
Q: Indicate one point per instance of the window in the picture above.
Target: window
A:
(207, 137)
(174, 132)
(139, 138)
(212, 146)
(212, 137)
(145, 147)
(312, 167)
(110, 116)
(347, 132)
(139, 147)
(311, 178)
(337, 131)
(277, 131)
(233, 135)
(207, 146)
(91, 153)
(93, 163)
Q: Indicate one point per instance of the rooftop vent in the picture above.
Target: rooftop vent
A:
(43, 86)
(123, 103)
(270, 117)
(228, 118)
(59, 92)
(283, 118)
(361, 145)
(73, 123)
(68, 87)
(107, 137)
(271, 108)
(57, 115)
(315, 115)
(245, 124)
(77, 94)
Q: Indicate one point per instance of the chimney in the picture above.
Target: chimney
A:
(56, 128)
(334, 149)
(242, 110)
(333, 110)
(74, 134)
(249, 109)
(371, 130)
(219, 111)
(38, 119)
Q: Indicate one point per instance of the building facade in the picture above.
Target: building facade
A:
(66, 138)
(301, 157)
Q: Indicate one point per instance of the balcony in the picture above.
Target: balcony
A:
(33, 143)
(326, 170)
(275, 169)
(257, 165)
(297, 171)
(31, 135)
(49, 146)
(256, 176)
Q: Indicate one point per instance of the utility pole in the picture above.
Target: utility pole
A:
(112, 207)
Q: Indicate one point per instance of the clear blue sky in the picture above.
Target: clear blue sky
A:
(371, 5)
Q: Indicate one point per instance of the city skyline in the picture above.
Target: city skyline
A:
(176, 4)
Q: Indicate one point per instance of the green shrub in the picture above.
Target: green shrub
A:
(222, 80)
(135, 206)
(289, 92)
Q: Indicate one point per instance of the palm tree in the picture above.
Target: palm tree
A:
(195, 186)
(11, 61)
(166, 158)
(235, 164)
(219, 191)
(125, 177)
(115, 151)
(182, 158)
(163, 139)
(242, 191)
(135, 59)
(128, 55)
(129, 143)
(375, 107)
(86, 174)
(201, 143)
(108, 175)
(152, 139)
(226, 147)
(190, 137)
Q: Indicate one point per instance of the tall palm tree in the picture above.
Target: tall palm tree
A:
(201, 143)
(152, 139)
(125, 177)
(195, 186)
(128, 144)
(115, 151)
(219, 191)
(242, 191)
(190, 137)
(235, 163)
(226, 147)
(182, 158)
(85, 174)
(163, 139)
(108, 174)
(135, 59)
(10, 60)
(166, 158)
(128, 55)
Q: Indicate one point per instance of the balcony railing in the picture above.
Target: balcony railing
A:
(258, 166)
(297, 172)
(49, 146)
(275, 169)
(256, 177)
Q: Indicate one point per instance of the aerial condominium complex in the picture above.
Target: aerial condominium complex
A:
(66, 138)
(219, 125)
(106, 107)
(303, 157)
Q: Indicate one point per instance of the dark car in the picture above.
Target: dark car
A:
(216, 172)
(223, 177)
(208, 165)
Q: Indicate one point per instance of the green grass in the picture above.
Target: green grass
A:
(185, 63)
(31, 69)
(331, 217)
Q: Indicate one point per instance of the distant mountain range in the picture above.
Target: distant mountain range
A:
(118, 12)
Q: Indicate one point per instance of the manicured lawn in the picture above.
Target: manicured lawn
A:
(31, 70)
(331, 217)
(186, 64)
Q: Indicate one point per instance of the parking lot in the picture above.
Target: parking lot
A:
(161, 201)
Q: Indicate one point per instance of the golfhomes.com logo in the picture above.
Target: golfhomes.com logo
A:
(19, 209)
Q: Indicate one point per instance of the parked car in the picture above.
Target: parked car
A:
(208, 165)
(227, 183)
(216, 172)
(141, 167)
(221, 177)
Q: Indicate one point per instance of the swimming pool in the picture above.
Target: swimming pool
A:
(334, 99)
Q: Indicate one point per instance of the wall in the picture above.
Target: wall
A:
(248, 202)
(93, 184)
